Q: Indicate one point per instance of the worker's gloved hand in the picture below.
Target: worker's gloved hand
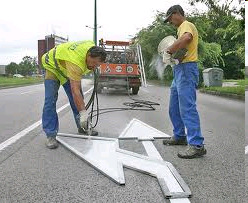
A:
(83, 116)
(180, 54)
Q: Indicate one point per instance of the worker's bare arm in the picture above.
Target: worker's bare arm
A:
(77, 95)
(180, 43)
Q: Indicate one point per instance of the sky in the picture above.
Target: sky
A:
(23, 23)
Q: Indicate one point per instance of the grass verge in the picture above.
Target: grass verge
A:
(14, 82)
(237, 91)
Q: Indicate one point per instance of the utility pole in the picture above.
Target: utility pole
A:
(95, 25)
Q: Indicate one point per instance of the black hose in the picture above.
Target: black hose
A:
(137, 105)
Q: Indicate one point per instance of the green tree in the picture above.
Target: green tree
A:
(28, 65)
(221, 38)
(210, 54)
(224, 24)
(149, 38)
(12, 68)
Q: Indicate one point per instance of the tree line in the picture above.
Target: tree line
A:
(221, 39)
(27, 66)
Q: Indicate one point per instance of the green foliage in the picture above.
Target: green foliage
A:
(210, 54)
(27, 66)
(149, 38)
(221, 39)
(12, 68)
(224, 24)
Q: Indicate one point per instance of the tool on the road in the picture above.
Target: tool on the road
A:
(89, 129)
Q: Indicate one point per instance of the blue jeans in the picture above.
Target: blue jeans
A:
(182, 108)
(50, 122)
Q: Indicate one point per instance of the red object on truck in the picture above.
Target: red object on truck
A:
(121, 69)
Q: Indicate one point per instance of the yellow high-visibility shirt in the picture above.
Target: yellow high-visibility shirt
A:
(73, 71)
(192, 54)
(71, 61)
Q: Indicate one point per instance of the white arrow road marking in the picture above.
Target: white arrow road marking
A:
(246, 149)
(170, 181)
(19, 135)
(99, 152)
(105, 155)
(152, 152)
(136, 129)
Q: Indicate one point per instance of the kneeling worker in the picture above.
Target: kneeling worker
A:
(65, 65)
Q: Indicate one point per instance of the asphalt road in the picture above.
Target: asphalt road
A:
(246, 118)
(246, 142)
(31, 173)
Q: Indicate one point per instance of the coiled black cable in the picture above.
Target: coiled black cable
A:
(137, 105)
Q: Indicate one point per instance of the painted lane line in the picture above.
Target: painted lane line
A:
(19, 135)
(246, 149)
(144, 90)
(27, 92)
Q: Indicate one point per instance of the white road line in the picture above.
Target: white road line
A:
(246, 149)
(16, 93)
(144, 90)
(19, 135)
(27, 92)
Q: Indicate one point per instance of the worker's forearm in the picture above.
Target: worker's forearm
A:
(177, 45)
(78, 100)
(77, 95)
(181, 43)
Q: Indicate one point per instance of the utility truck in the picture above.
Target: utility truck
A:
(123, 67)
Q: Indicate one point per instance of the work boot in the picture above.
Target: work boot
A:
(173, 141)
(192, 152)
(52, 143)
(83, 132)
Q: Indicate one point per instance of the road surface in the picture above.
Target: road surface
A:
(29, 172)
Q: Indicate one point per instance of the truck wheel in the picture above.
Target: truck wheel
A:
(135, 90)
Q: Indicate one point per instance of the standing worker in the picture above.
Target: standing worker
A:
(182, 107)
(64, 65)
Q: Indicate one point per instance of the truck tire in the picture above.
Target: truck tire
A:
(135, 90)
